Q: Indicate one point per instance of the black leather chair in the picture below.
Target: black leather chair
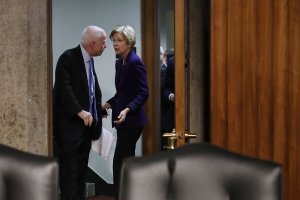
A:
(27, 176)
(200, 172)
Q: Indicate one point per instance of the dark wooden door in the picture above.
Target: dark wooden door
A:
(255, 82)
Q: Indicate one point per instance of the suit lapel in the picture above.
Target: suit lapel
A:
(118, 73)
(81, 68)
(121, 70)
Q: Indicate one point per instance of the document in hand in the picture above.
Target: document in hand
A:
(103, 145)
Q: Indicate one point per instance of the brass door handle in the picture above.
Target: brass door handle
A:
(173, 138)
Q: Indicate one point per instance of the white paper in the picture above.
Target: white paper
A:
(103, 145)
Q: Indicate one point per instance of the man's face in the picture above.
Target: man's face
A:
(99, 46)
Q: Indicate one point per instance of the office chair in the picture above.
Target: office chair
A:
(27, 176)
(200, 172)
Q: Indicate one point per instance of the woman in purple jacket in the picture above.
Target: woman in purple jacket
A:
(128, 114)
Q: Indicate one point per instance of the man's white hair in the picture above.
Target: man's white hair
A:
(91, 33)
(161, 50)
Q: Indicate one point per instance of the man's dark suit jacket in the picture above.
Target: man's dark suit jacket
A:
(170, 78)
(131, 91)
(164, 103)
(169, 88)
(71, 95)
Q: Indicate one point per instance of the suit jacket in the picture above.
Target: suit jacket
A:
(71, 95)
(169, 117)
(170, 78)
(164, 103)
(163, 74)
(131, 91)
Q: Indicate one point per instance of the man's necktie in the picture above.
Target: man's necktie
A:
(92, 109)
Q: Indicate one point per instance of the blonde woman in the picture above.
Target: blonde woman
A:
(128, 115)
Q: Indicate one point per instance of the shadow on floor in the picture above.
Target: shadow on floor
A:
(102, 188)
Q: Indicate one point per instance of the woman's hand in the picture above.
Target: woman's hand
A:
(122, 116)
(106, 106)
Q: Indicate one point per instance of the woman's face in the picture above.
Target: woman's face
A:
(121, 46)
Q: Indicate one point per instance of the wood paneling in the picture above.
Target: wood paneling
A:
(219, 72)
(180, 87)
(255, 82)
(294, 97)
(150, 57)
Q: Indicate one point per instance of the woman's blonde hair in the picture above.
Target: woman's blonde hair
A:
(127, 31)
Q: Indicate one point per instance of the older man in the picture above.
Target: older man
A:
(77, 110)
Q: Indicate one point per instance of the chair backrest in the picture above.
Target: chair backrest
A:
(200, 172)
(27, 176)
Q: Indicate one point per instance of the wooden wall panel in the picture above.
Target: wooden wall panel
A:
(255, 82)
(281, 85)
(249, 77)
(150, 49)
(264, 58)
(294, 96)
(234, 73)
(219, 71)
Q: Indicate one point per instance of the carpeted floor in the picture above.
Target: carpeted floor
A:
(101, 197)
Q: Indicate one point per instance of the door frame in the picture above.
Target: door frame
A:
(150, 56)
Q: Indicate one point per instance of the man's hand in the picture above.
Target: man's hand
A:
(87, 117)
(172, 97)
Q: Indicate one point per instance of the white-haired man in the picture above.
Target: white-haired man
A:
(77, 110)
